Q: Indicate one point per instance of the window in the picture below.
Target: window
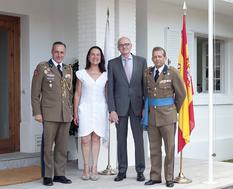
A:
(202, 65)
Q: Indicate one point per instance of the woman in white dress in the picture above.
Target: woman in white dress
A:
(90, 108)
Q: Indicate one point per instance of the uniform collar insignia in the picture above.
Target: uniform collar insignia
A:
(165, 69)
(50, 62)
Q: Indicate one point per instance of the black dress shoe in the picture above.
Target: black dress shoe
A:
(151, 182)
(120, 177)
(47, 181)
(62, 179)
(169, 183)
(140, 177)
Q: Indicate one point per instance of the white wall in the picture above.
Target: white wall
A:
(42, 22)
(161, 15)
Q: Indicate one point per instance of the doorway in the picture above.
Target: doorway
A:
(9, 84)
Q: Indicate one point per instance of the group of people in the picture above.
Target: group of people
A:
(127, 89)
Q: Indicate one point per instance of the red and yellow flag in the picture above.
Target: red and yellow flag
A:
(186, 114)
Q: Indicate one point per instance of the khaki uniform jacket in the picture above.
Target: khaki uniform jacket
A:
(169, 84)
(51, 93)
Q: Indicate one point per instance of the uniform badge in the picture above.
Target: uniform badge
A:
(35, 72)
(50, 85)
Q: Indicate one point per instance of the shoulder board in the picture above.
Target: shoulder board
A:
(150, 68)
(147, 71)
(43, 63)
(68, 66)
(171, 68)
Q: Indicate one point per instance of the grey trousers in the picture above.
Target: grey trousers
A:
(122, 132)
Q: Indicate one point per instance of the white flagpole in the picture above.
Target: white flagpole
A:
(107, 50)
(210, 87)
(107, 56)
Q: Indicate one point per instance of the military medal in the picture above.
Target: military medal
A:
(50, 85)
(68, 76)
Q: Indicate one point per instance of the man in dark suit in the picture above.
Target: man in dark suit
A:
(51, 95)
(166, 93)
(125, 99)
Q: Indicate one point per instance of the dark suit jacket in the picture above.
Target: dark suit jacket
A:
(121, 93)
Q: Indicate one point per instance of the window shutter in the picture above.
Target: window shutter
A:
(172, 46)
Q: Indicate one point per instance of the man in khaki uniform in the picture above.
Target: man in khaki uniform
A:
(51, 94)
(166, 93)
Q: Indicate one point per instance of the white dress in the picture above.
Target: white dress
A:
(92, 109)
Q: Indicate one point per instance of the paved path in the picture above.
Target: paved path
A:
(197, 170)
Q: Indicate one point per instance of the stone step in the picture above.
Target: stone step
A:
(18, 159)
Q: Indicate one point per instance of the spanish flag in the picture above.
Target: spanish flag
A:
(186, 114)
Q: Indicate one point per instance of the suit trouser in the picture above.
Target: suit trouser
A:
(54, 133)
(156, 134)
(122, 132)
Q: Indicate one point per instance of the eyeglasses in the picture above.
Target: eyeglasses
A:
(124, 45)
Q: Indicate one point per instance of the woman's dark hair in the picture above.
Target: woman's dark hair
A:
(102, 61)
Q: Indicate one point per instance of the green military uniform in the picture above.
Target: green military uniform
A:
(163, 118)
(51, 95)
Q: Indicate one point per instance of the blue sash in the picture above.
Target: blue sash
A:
(154, 102)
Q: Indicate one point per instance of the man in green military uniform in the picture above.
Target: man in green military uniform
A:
(165, 95)
(51, 94)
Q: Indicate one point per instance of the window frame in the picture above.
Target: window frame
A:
(205, 67)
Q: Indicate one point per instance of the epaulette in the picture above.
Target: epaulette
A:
(43, 63)
(147, 71)
(70, 66)
(171, 68)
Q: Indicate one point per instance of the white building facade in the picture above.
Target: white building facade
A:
(81, 24)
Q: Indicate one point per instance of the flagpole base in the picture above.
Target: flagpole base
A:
(181, 179)
(108, 171)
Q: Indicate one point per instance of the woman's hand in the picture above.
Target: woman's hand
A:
(76, 120)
